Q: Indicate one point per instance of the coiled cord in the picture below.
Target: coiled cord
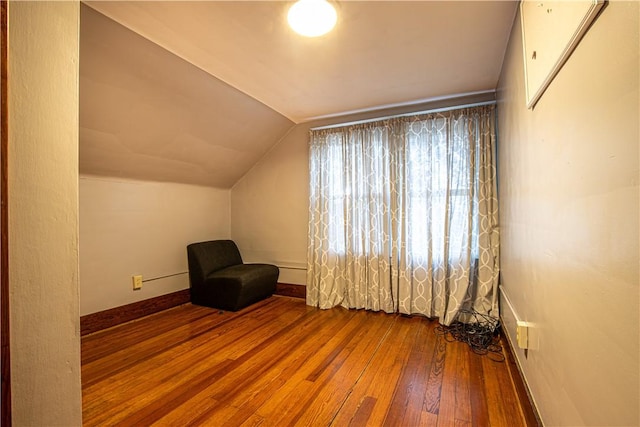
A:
(480, 332)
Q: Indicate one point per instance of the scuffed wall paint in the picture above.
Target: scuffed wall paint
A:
(569, 214)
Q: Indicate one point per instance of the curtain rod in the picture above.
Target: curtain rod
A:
(376, 119)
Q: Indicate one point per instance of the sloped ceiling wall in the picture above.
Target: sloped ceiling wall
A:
(380, 54)
(147, 114)
(197, 92)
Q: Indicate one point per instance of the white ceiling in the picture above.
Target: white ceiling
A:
(381, 53)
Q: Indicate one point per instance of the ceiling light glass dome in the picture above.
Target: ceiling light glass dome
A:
(312, 18)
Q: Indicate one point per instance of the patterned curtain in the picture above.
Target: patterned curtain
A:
(403, 215)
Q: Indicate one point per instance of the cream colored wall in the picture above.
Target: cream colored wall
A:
(139, 227)
(269, 208)
(43, 213)
(269, 205)
(569, 213)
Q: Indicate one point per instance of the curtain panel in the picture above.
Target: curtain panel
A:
(403, 215)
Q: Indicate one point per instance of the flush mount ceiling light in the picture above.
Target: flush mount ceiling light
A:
(312, 18)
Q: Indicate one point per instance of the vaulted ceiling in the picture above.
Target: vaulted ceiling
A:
(197, 92)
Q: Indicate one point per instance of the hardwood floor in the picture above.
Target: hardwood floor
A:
(280, 362)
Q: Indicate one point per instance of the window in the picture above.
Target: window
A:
(403, 214)
(438, 190)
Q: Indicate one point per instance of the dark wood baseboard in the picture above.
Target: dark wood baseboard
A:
(530, 412)
(114, 316)
(291, 290)
(105, 319)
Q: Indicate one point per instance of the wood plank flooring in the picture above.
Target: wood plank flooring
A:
(280, 362)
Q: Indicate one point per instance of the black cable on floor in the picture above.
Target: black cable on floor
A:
(480, 332)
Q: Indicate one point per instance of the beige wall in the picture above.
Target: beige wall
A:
(569, 223)
(43, 213)
(138, 227)
(269, 208)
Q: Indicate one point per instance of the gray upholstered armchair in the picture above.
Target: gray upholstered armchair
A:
(220, 279)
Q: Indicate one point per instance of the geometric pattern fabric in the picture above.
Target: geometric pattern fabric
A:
(403, 215)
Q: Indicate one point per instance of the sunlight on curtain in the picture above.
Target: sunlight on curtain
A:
(403, 215)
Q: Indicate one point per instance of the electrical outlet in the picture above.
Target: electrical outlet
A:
(137, 282)
(522, 334)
